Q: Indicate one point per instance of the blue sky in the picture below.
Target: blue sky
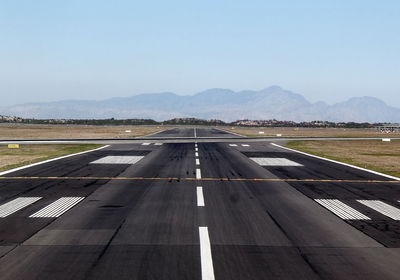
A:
(76, 49)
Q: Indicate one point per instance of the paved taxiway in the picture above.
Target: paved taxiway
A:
(198, 211)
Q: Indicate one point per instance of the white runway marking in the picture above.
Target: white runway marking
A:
(118, 160)
(245, 145)
(207, 269)
(197, 161)
(16, 204)
(158, 144)
(57, 208)
(233, 145)
(196, 154)
(198, 173)
(338, 162)
(200, 197)
(49, 160)
(145, 144)
(383, 208)
(275, 162)
(341, 209)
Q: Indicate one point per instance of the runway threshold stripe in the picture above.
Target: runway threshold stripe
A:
(57, 208)
(198, 173)
(341, 209)
(383, 208)
(200, 197)
(16, 205)
(207, 269)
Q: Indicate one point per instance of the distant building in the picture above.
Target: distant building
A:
(389, 128)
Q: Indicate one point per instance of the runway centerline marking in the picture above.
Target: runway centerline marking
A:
(207, 268)
(198, 174)
(2, 178)
(197, 161)
(200, 197)
(196, 154)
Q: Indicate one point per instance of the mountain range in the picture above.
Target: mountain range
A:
(224, 104)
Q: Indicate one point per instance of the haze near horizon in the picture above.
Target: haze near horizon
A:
(328, 51)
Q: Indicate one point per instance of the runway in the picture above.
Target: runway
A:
(198, 210)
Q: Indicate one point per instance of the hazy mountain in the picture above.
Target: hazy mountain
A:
(224, 104)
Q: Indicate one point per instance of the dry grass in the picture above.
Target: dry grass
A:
(372, 154)
(308, 132)
(18, 131)
(27, 154)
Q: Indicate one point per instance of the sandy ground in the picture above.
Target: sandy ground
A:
(18, 131)
(376, 155)
(309, 132)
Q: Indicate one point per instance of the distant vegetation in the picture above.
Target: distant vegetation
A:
(187, 121)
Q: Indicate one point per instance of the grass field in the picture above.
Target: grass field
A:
(308, 132)
(27, 154)
(372, 154)
(24, 131)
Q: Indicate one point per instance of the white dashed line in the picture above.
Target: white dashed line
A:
(198, 173)
(233, 145)
(145, 144)
(16, 204)
(245, 145)
(57, 208)
(158, 144)
(341, 209)
(275, 162)
(207, 269)
(196, 154)
(118, 160)
(197, 161)
(383, 208)
(200, 197)
(196, 149)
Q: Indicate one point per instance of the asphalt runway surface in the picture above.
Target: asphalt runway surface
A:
(198, 211)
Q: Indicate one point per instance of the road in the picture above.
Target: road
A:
(198, 211)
